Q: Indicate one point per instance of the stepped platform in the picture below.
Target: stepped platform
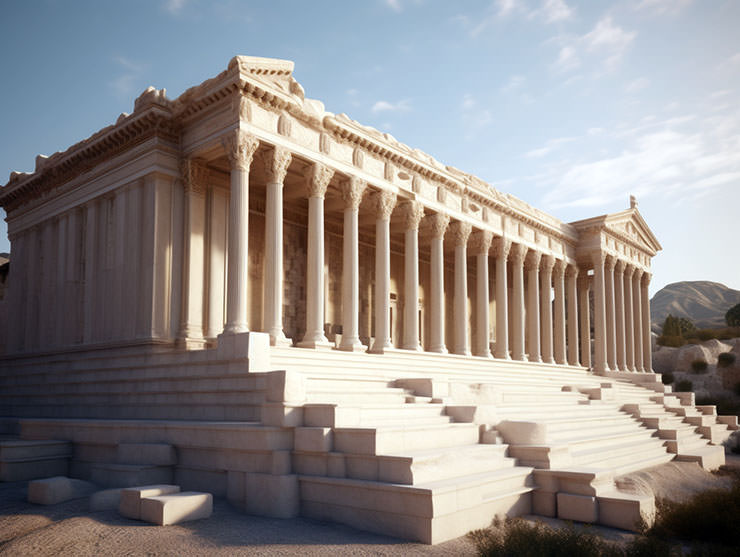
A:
(418, 445)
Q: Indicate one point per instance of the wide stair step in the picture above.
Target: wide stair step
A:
(26, 459)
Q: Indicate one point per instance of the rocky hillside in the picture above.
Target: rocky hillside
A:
(704, 303)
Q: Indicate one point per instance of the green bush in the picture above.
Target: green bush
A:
(726, 405)
(698, 366)
(671, 340)
(706, 334)
(684, 386)
(732, 317)
(726, 359)
(667, 378)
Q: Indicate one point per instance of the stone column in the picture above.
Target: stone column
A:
(647, 347)
(611, 325)
(276, 167)
(629, 322)
(481, 245)
(413, 212)
(637, 316)
(461, 232)
(216, 261)
(546, 332)
(240, 148)
(317, 178)
(62, 310)
(501, 248)
(559, 303)
(352, 192)
(518, 254)
(571, 278)
(438, 225)
(385, 201)
(600, 332)
(90, 288)
(619, 309)
(533, 305)
(195, 177)
(584, 306)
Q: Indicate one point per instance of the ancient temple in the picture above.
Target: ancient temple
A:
(243, 261)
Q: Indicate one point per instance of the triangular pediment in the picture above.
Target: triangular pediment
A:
(630, 225)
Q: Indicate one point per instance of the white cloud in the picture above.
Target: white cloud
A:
(660, 7)
(568, 59)
(514, 84)
(637, 85)
(550, 11)
(385, 106)
(395, 5)
(175, 6)
(549, 146)
(555, 10)
(606, 43)
(124, 85)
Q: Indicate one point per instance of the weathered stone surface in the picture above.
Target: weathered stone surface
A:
(176, 507)
(51, 491)
(691, 352)
(130, 500)
(664, 359)
(105, 500)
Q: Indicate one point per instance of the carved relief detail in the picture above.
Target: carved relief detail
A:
(571, 271)
(558, 270)
(416, 184)
(438, 223)
(358, 157)
(620, 266)
(352, 191)
(547, 262)
(318, 177)
(324, 143)
(413, 212)
(501, 247)
(195, 177)
(481, 242)
(389, 171)
(276, 165)
(284, 125)
(532, 260)
(461, 232)
(385, 201)
(518, 253)
(441, 194)
(243, 108)
(240, 148)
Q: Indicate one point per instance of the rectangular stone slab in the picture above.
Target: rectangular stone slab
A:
(58, 489)
(130, 504)
(177, 507)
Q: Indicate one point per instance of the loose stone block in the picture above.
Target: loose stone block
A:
(176, 507)
(130, 504)
(51, 491)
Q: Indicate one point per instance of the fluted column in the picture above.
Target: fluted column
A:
(461, 232)
(533, 305)
(413, 212)
(584, 317)
(558, 276)
(317, 178)
(637, 316)
(240, 148)
(571, 279)
(501, 248)
(629, 322)
(276, 167)
(217, 242)
(546, 332)
(611, 326)
(647, 345)
(62, 311)
(600, 333)
(195, 176)
(619, 310)
(481, 244)
(384, 203)
(518, 254)
(352, 192)
(438, 226)
(91, 263)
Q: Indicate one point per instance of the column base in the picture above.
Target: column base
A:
(235, 329)
(504, 356)
(278, 338)
(438, 349)
(191, 343)
(322, 344)
(416, 348)
(486, 355)
(463, 353)
(377, 348)
(351, 346)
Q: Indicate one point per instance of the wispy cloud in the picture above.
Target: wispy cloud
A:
(637, 85)
(474, 117)
(394, 5)
(385, 106)
(553, 11)
(548, 148)
(175, 6)
(661, 7)
(124, 85)
(606, 43)
(548, 11)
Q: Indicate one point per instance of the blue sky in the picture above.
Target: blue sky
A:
(571, 106)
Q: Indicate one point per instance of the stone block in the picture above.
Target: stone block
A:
(522, 433)
(235, 488)
(581, 508)
(336, 466)
(627, 511)
(280, 463)
(105, 500)
(130, 499)
(254, 348)
(274, 496)
(128, 475)
(58, 489)
(313, 439)
(544, 503)
(161, 454)
(176, 507)
(281, 414)
(286, 386)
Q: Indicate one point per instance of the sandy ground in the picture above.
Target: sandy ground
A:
(71, 529)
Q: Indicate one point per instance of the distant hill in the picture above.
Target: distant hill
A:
(704, 303)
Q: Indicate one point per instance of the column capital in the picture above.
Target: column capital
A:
(629, 270)
(558, 269)
(461, 232)
(638, 273)
(353, 189)
(598, 258)
(481, 242)
(620, 266)
(518, 253)
(240, 148)
(532, 259)
(276, 165)
(412, 212)
(645, 280)
(194, 176)
(571, 271)
(547, 262)
(438, 223)
(501, 247)
(385, 202)
(317, 177)
(611, 261)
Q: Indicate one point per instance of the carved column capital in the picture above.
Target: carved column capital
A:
(620, 266)
(413, 212)
(501, 247)
(317, 178)
(598, 258)
(461, 232)
(638, 274)
(547, 262)
(518, 253)
(352, 191)
(276, 165)
(584, 280)
(558, 269)
(611, 262)
(240, 148)
(438, 223)
(571, 271)
(194, 176)
(629, 270)
(645, 280)
(481, 242)
(385, 201)
(532, 260)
